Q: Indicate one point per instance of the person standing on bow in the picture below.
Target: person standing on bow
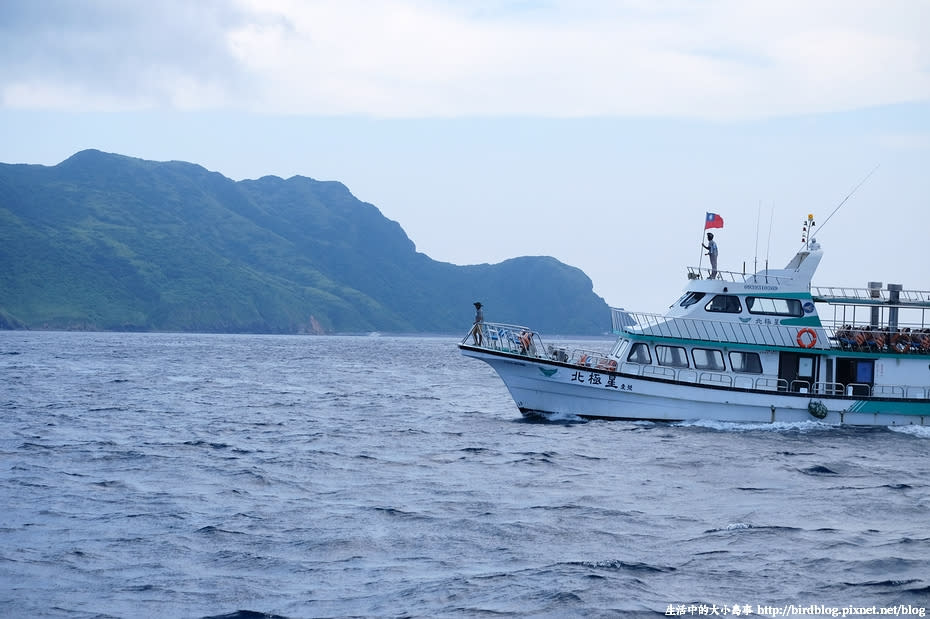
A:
(711, 248)
(476, 330)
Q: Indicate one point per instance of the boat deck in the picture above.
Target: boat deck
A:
(762, 331)
(871, 296)
(519, 340)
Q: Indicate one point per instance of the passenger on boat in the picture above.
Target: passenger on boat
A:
(846, 337)
(526, 343)
(901, 340)
(711, 248)
(476, 330)
(924, 340)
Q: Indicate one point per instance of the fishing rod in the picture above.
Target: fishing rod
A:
(840, 205)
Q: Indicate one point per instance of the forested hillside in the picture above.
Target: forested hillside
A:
(109, 242)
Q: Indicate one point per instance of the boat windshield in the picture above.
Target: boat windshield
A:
(689, 298)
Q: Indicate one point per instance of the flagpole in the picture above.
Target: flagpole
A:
(701, 259)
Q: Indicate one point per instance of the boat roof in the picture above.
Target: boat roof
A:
(870, 296)
(797, 276)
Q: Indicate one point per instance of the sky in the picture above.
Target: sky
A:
(599, 132)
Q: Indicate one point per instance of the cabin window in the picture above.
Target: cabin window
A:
(726, 303)
(746, 362)
(639, 353)
(674, 356)
(690, 298)
(770, 306)
(708, 359)
(619, 349)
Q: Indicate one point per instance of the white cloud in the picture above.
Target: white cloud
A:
(418, 58)
(101, 55)
(721, 60)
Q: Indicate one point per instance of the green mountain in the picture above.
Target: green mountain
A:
(108, 242)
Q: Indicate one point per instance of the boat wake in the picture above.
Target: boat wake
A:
(918, 431)
(556, 418)
(778, 426)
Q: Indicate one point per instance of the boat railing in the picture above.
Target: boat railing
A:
(660, 371)
(763, 383)
(713, 378)
(737, 277)
(757, 331)
(771, 384)
(889, 391)
(868, 338)
(523, 341)
(506, 338)
(593, 359)
(910, 337)
(828, 388)
(870, 296)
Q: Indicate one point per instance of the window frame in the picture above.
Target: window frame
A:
(684, 356)
(636, 347)
(737, 367)
(794, 305)
(720, 366)
(728, 310)
(690, 298)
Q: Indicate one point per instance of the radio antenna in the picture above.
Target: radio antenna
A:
(854, 189)
(769, 242)
(755, 258)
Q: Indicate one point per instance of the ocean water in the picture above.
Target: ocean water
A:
(165, 475)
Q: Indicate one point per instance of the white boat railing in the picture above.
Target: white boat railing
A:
(766, 383)
(870, 296)
(506, 338)
(516, 339)
(756, 332)
(910, 337)
(737, 277)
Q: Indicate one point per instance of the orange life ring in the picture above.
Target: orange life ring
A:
(813, 339)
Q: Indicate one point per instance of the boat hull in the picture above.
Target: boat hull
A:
(558, 389)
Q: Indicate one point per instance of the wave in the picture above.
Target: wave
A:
(818, 470)
(551, 418)
(917, 431)
(246, 614)
(743, 526)
(883, 583)
(778, 426)
(616, 564)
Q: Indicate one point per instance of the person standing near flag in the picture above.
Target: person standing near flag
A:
(712, 220)
(711, 248)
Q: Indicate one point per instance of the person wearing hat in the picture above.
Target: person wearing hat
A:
(476, 330)
(711, 248)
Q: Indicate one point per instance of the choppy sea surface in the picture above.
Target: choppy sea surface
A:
(165, 475)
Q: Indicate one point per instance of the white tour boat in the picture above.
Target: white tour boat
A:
(739, 347)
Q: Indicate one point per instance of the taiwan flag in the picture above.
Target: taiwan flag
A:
(713, 220)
